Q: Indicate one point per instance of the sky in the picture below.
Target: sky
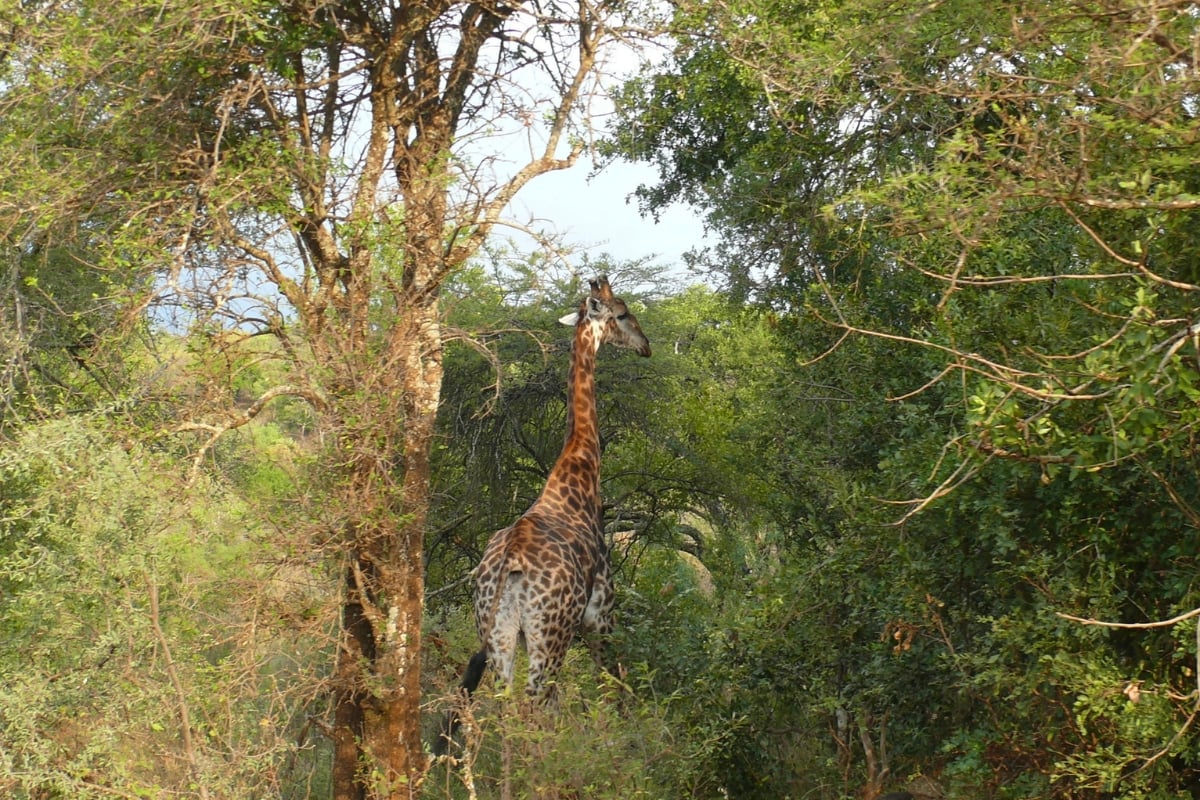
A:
(596, 214)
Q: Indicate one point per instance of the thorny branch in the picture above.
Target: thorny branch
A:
(185, 723)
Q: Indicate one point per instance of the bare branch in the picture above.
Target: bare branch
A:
(1166, 623)
(185, 723)
(217, 430)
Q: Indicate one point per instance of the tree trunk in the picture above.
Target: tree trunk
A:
(377, 716)
(378, 752)
(357, 649)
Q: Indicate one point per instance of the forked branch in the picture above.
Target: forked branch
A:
(218, 429)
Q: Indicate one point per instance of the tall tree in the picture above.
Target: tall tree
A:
(311, 171)
(996, 206)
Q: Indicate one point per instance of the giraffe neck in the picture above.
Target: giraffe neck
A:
(576, 473)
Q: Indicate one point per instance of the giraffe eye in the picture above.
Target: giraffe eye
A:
(623, 315)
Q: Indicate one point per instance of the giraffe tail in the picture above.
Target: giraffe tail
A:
(470, 682)
(474, 672)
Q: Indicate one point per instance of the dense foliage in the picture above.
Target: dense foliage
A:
(976, 221)
(906, 498)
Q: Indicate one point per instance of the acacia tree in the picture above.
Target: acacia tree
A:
(312, 172)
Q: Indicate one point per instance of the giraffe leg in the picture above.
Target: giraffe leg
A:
(598, 625)
(600, 646)
(505, 633)
(546, 657)
(548, 634)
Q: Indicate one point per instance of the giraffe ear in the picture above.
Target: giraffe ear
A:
(570, 320)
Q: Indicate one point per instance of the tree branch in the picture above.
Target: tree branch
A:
(185, 722)
(216, 430)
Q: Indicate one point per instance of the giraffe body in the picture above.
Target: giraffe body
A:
(547, 577)
(541, 580)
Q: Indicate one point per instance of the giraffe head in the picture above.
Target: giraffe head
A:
(610, 319)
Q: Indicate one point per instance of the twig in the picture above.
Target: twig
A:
(450, 586)
(1187, 723)
(185, 722)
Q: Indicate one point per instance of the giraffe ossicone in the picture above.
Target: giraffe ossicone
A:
(547, 577)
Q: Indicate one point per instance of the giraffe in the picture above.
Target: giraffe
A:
(547, 577)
